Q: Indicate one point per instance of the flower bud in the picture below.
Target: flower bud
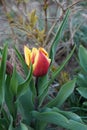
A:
(9, 68)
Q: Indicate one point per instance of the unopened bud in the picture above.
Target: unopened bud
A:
(9, 68)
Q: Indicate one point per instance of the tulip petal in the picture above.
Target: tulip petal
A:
(33, 54)
(27, 54)
(41, 64)
(43, 51)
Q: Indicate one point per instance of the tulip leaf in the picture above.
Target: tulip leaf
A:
(32, 87)
(22, 127)
(26, 106)
(14, 82)
(60, 118)
(69, 115)
(10, 97)
(1, 127)
(64, 92)
(47, 83)
(83, 57)
(8, 94)
(11, 123)
(74, 125)
(58, 70)
(83, 91)
(58, 36)
(41, 82)
(2, 73)
(82, 80)
(22, 88)
(3, 124)
(51, 117)
(21, 59)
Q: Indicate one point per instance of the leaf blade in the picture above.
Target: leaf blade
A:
(58, 35)
(83, 57)
(64, 92)
(2, 73)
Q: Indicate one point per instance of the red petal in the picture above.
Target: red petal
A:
(41, 64)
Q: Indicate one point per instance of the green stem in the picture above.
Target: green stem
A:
(36, 99)
(34, 122)
(14, 111)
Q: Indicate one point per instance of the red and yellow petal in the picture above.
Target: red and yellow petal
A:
(41, 64)
(43, 51)
(27, 54)
(33, 54)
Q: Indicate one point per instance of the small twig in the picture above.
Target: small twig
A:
(4, 6)
(25, 30)
(59, 4)
(45, 14)
(77, 28)
(71, 31)
(70, 6)
(49, 33)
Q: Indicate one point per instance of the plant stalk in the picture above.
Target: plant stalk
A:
(36, 99)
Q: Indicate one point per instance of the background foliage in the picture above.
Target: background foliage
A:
(56, 25)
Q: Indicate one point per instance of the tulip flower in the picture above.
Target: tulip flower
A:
(39, 59)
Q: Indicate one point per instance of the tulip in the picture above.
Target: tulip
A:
(39, 60)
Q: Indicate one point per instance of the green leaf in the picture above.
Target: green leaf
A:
(83, 91)
(5, 119)
(73, 125)
(58, 70)
(63, 94)
(40, 125)
(11, 123)
(41, 83)
(2, 73)
(44, 93)
(2, 127)
(14, 82)
(26, 106)
(21, 59)
(3, 124)
(47, 83)
(83, 57)
(60, 118)
(69, 115)
(9, 97)
(51, 117)
(58, 36)
(22, 88)
(22, 127)
(82, 80)
(19, 77)
(32, 87)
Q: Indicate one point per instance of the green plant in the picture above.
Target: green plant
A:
(23, 104)
(82, 76)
